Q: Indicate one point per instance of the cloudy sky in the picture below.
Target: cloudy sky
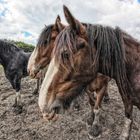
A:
(24, 19)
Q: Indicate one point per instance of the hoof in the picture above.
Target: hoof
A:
(35, 92)
(124, 137)
(14, 105)
(76, 107)
(90, 119)
(95, 131)
(18, 109)
(106, 99)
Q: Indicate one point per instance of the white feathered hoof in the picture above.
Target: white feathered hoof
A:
(124, 138)
(106, 99)
(18, 109)
(90, 119)
(95, 131)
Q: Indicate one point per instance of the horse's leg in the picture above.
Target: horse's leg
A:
(100, 86)
(17, 91)
(38, 83)
(106, 97)
(75, 104)
(18, 105)
(128, 106)
(90, 118)
(17, 87)
(18, 98)
(128, 120)
(96, 127)
(40, 80)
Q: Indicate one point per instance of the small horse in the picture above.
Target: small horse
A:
(80, 52)
(14, 61)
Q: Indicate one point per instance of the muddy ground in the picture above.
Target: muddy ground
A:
(29, 125)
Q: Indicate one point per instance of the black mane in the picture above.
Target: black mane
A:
(45, 36)
(108, 42)
(8, 46)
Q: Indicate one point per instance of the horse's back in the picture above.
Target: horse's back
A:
(17, 65)
(22, 61)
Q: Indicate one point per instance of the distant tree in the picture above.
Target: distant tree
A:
(25, 46)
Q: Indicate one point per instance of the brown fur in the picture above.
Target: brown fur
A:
(82, 51)
(45, 46)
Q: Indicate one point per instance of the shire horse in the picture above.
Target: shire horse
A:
(41, 57)
(80, 52)
(14, 61)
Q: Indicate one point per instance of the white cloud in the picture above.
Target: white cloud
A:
(30, 16)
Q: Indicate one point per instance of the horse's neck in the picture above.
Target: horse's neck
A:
(5, 57)
(7, 51)
(26, 58)
(132, 49)
(26, 55)
(0, 61)
(3, 60)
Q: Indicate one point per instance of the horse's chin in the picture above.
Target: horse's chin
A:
(57, 106)
(54, 110)
(52, 116)
(36, 74)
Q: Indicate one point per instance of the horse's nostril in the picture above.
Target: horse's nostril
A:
(36, 71)
(57, 109)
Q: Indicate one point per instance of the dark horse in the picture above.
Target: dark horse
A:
(14, 61)
(83, 50)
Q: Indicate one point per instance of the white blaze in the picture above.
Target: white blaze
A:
(52, 70)
(31, 62)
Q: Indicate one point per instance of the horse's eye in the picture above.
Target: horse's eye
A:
(81, 45)
(46, 41)
(65, 55)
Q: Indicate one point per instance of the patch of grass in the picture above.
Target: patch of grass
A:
(25, 46)
(1, 68)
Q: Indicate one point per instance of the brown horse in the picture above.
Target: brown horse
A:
(41, 57)
(82, 51)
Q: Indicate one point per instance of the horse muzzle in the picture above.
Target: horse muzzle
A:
(34, 72)
(54, 111)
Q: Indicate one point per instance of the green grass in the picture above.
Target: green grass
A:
(25, 46)
(1, 68)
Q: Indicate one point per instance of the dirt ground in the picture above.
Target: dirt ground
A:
(29, 125)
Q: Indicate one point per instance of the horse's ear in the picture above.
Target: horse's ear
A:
(74, 23)
(58, 25)
(58, 19)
